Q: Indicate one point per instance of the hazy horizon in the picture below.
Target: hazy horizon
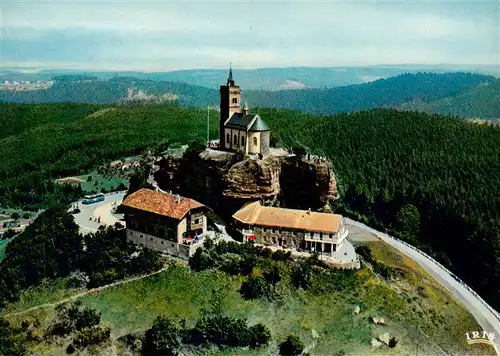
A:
(154, 37)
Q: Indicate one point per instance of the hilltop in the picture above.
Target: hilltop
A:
(426, 178)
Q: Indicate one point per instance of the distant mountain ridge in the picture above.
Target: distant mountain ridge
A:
(463, 94)
(262, 78)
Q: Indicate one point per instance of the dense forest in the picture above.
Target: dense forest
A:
(427, 178)
(431, 179)
(56, 140)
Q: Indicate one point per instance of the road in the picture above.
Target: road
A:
(89, 212)
(486, 318)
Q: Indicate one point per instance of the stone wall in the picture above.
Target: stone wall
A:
(273, 237)
(265, 138)
(153, 242)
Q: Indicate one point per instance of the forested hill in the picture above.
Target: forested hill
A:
(106, 91)
(482, 101)
(395, 92)
(463, 94)
(431, 179)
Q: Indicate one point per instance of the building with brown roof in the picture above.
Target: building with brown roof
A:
(165, 222)
(297, 229)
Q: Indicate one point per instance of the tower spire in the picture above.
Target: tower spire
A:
(230, 80)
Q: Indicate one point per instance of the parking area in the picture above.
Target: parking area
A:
(91, 216)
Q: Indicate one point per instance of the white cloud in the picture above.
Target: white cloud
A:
(279, 33)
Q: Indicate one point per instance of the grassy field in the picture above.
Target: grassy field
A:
(102, 182)
(3, 245)
(416, 309)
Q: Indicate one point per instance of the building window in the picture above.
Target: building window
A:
(235, 139)
(235, 100)
(150, 239)
(142, 236)
(243, 140)
(255, 141)
(228, 138)
(162, 242)
(331, 236)
(321, 236)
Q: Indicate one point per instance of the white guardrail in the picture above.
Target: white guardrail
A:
(381, 234)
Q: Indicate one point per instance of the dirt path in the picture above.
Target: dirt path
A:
(79, 295)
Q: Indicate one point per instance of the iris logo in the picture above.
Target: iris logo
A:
(477, 337)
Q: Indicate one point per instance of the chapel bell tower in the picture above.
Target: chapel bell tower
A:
(230, 96)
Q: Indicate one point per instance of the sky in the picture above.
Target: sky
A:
(175, 35)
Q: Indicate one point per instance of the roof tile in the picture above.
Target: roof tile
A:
(161, 203)
(256, 214)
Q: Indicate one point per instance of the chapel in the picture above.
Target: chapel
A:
(240, 129)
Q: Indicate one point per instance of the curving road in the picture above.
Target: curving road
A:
(487, 318)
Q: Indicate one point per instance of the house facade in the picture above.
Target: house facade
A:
(165, 222)
(293, 229)
(239, 129)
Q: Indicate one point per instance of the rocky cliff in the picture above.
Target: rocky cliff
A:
(225, 183)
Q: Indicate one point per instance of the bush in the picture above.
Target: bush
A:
(255, 287)
(8, 234)
(393, 342)
(365, 252)
(259, 335)
(87, 319)
(291, 346)
(228, 332)
(26, 216)
(162, 338)
(15, 216)
(70, 349)
(92, 336)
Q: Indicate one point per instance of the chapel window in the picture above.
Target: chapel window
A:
(228, 139)
(235, 139)
(255, 141)
(243, 140)
(235, 100)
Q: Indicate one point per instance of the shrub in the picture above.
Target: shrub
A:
(26, 216)
(15, 216)
(255, 287)
(259, 335)
(70, 349)
(162, 338)
(365, 252)
(291, 346)
(87, 319)
(228, 332)
(393, 342)
(92, 336)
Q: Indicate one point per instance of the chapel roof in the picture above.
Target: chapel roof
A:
(249, 122)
